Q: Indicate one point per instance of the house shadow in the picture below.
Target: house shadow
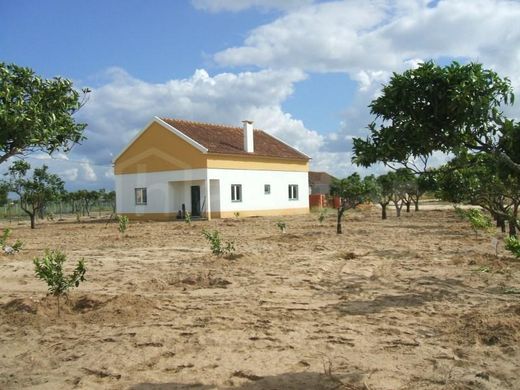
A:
(286, 381)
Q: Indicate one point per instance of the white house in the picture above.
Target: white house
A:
(213, 170)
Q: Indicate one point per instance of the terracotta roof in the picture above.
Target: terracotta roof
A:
(320, 178)
(230, 140)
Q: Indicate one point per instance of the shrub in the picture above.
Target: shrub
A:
(478, 220)
(513, 245)
(236, 214)
(321, 217)
(6, 248)
(187, 217)
(123, 223)
(50, 269)
(282, 226)
(218, 248)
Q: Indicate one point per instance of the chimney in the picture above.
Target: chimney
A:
(249, 145)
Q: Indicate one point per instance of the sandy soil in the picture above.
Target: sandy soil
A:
(412, 303)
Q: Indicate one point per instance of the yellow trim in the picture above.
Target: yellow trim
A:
(158, 149)
(218, 214)
(256, 163)
(260, 213)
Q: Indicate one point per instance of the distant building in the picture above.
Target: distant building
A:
(319, 183)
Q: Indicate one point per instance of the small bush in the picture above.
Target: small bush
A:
(6, 248)
(282, 226)
(513, 245)
(50, 269)
(236, 214)
(187, 217)
(477, 219)
(122, 221)
(321, 217)
(218, 248)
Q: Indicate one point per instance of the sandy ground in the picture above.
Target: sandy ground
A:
(418, 302)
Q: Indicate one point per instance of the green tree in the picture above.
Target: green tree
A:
(380, 191)
(36, 113)
(35, 192)
(450, 109)
(353, 191)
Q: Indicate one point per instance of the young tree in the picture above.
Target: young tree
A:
(380, 191)
(34, 192)
(353, 192)
(37, 114)
(431, 108)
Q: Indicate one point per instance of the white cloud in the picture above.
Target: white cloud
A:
(70, 174)
(88, 172)
(119, 109)
(241, 5)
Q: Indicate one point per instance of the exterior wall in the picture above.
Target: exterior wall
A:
(160, 192)
(254, 201)
(158, 150)
(225, 161)
(166, 191)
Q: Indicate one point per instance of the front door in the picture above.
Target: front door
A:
(195, 201)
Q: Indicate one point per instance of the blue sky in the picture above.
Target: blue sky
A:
(301, 69)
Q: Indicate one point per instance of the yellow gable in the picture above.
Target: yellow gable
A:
(158, 149)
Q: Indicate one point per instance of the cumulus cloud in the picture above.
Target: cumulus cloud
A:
(120, 108)
(241, 5)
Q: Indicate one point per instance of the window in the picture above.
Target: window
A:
(293, 191)
(267, 189)
(140, 196)
(236, 192)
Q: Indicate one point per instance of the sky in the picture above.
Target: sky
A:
(302, 70)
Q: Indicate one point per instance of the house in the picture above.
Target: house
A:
(319, 182)
(211, 171)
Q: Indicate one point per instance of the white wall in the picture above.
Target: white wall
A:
(159, 191)
(164, 196)
(253, 181)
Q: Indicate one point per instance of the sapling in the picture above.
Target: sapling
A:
(478, 220)
(187, 217)
(5, 247)
(50, 269)
(321, 217)
(218, 248)
(513, 245)
(282, 226)
(123, 224)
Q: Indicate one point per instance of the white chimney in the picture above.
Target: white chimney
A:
(249, 145)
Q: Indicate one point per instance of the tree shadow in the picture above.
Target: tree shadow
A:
(171, 386)
(437, 290)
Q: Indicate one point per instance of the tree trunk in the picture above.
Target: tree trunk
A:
(512, 229)
(33, 217)
(408, 204)
(416, 203)
(383, 211)
(341, 210)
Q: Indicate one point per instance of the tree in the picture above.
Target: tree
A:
(482, 181)
(36, 113)
(448, 109)
(35, 192)
(353, 192)
(380, 191)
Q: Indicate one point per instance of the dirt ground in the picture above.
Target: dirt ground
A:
(418, 302)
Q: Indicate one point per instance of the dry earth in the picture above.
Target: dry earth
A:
(411, 303)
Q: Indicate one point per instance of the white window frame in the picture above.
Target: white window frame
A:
(236, 192)
(267, 189)
(141, 196)
(293, 191)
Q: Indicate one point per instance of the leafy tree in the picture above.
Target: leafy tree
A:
(482, 180)
(380, 191)
(50, 269)
(36, 113)
(353, 191)
(450, 109)
(34, 192)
